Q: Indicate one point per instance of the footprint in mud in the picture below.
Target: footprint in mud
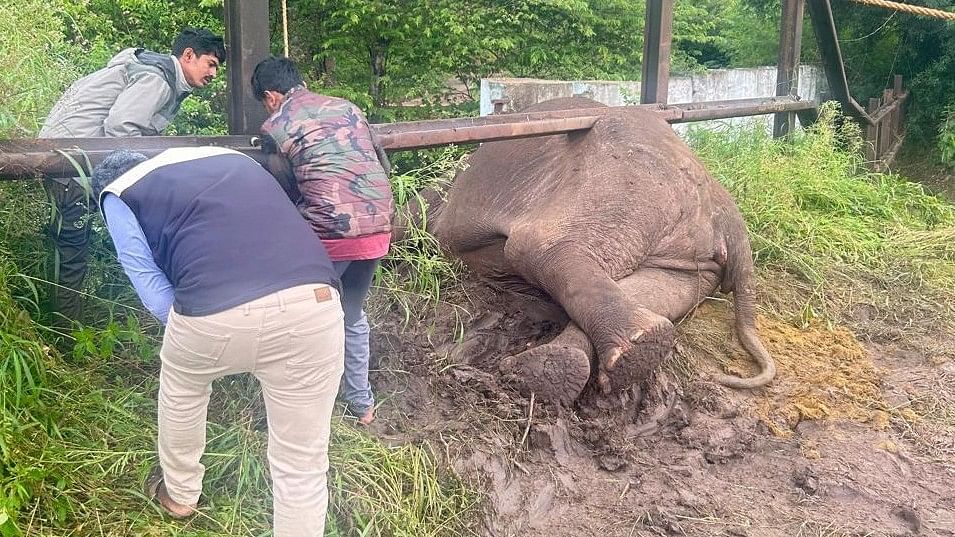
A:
(909, 516)
(719, 440)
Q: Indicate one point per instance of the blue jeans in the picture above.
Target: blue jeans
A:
(356, 277)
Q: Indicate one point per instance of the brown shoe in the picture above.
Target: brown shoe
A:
(155, 488)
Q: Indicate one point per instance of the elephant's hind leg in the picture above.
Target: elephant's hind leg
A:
(559, 370)
(616, 328)
(667, 295)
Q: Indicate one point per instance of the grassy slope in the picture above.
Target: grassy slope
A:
(813, 211)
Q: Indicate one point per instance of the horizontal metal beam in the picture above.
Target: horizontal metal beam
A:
(384, 129)
(27, 158)
(484, 133)
(741, 108)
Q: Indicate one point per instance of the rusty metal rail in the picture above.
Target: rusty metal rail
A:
(29, 158)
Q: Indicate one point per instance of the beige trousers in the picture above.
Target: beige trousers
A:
(292, 341)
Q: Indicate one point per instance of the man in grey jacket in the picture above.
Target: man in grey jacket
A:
(137, 94)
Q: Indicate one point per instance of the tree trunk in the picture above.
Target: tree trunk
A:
(328, 70)
(379, 56)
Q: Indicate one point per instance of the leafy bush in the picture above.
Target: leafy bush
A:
(946, 137)
(36, 63)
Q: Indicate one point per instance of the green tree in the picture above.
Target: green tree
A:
(36, 61)
(403, 51)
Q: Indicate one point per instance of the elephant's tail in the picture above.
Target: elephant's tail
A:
(745, 303)
(744, 300)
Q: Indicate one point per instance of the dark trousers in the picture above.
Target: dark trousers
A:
(356, 277)
(70, 231)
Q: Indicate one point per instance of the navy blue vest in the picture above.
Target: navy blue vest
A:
(221, 228)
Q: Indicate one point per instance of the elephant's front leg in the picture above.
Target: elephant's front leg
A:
(616, 327)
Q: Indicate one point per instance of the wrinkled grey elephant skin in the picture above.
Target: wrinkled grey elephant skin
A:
(622, 226)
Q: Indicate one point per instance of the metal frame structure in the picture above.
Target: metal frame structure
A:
(247, 33)
(787, 68)
(882, 120)
(55, 157)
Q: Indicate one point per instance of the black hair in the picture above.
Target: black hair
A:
(274, 74)
(115, 164)
(201, 41)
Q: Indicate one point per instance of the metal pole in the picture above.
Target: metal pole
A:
(29, 157)
(787, 70)
(657, 38)
(247, 36)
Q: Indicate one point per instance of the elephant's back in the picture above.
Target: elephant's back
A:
(628, 156)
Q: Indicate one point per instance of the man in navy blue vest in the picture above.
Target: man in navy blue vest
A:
(218, 253)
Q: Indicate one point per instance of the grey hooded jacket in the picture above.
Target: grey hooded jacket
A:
(136, 94)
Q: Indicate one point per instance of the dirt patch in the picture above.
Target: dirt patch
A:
(850, 440)
(823, 373)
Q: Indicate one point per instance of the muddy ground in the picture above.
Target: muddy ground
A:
(852, 439)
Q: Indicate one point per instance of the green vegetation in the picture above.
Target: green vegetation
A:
(385, 53)
(946, 137)
(813, 210)
(416, 271)
(810, 203)
(35, 62)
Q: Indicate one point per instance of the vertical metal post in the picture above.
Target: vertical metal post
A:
(787, 70)
(247, 40)
(657, 37)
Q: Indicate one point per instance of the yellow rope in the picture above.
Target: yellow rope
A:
(908, 8)
(285, 25)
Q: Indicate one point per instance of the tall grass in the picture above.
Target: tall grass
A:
(416, 271)
(36, 63)
(812, 208)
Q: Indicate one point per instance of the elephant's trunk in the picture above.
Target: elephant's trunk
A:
(420, 212)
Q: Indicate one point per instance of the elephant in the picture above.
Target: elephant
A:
(620, 225)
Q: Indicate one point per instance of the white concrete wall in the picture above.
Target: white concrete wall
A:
(517, 94)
